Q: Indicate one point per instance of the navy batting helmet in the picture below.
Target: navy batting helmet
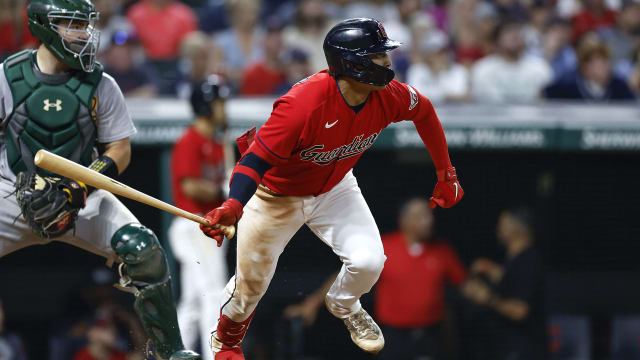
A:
(347, 45)
(203, 94)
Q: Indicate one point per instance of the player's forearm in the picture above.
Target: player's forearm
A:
(120, 152)
(200, 190)
(432, 135)
(246, 177)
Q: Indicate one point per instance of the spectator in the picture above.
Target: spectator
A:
(196, 62)
(110, 22)
(308, 30)
(400, 29)
(472, 23)
(241, 44)
(418, 268)
(509, 75)
(11, 346)
(439, 12)
(337, 9)
(622, 38)
(594, 80)
(593, 16)
(102, 343)
(161, 25)
(381, 10)
(266, 76)
(199, 161)
(134, 80)
(14, 29)
(556, 48)
(435, 75)
(297, 67)
(514, 294)
(213, 16)
(533, 32)
(634, 76)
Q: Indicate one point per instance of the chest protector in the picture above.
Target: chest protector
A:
(49, 112)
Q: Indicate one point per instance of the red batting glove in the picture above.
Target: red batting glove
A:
(448, 190)
(227, 214)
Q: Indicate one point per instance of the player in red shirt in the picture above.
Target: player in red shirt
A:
(198, 173)
(298, 171)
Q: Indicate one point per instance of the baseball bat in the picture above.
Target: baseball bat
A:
(72, 170)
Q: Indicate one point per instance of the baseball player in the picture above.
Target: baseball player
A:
(198, 172)
(58, 98)
(299, 171)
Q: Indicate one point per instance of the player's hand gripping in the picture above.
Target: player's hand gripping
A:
(448, 191)
(227, 214)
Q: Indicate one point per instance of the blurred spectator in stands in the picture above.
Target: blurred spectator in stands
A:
(13, 27)
(213, 16)
(264, 77)
(134, 79)
(110, 21)
(241, 44)
(439, 12)
(418, 268)
(101, 343)
(161, 25)
(308, 31)
(400, 29)
(623, 38)
(509, 75)
(472, 24)
(381, 10)
(513, 295)
(196, 62)
(634, 76)
(533, 31)
(594, 80)
(436, 75)
(11, 346)
(593, 16)
(556, 48)
(297, 67)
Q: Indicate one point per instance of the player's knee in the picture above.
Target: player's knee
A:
(366, 261)
(140, 251)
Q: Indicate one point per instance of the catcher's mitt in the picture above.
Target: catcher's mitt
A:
(50, 205)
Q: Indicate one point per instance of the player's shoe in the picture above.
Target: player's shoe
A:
(364, 331)
(150, 354)
(227, 338)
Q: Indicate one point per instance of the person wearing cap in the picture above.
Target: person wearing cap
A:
(436, 75)
(134, 79)
(198, 172)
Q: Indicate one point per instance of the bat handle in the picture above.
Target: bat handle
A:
(228, 231)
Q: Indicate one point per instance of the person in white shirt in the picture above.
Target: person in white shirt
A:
(509, 75)
(436, 75)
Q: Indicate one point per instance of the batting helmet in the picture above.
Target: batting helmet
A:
(203, 94)
(79, 45)
(347, 45)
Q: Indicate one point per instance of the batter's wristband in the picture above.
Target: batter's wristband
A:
(105, 166)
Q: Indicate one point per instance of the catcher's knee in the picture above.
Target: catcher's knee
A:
(143, 258)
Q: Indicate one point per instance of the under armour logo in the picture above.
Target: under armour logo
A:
(48, 105)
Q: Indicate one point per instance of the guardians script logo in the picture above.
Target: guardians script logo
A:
(357, 146)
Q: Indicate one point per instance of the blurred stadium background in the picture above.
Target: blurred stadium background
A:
(537, 98)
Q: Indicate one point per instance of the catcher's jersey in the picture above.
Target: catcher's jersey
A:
(313, 137)
(113, 121)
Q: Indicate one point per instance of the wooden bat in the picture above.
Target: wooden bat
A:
(72, 170)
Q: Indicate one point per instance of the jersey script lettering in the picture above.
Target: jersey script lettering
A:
(357, 146)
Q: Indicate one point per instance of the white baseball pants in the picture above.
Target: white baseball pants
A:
(340, 218)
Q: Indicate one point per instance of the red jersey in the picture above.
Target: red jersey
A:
(196, 156)
(84, 355)
(410, 291)
(313, 138)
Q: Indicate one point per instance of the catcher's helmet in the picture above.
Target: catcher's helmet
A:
(347, 45)
(78, 47)
(203, 94)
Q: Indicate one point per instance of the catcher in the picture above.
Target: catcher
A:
(58, 98)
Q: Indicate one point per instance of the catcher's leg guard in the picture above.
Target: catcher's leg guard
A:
(145, 273)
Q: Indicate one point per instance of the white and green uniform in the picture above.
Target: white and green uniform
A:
(103, 214)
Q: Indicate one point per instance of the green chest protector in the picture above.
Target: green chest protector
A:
(49, 112)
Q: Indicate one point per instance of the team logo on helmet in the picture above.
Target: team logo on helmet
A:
(382, 32)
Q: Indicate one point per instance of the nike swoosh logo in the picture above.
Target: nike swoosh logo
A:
(456, 185)
(328, 126)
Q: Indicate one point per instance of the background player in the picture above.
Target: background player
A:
(198, 173)
(58, 98)
(301, 166)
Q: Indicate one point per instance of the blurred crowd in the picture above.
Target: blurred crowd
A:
(497, 51)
